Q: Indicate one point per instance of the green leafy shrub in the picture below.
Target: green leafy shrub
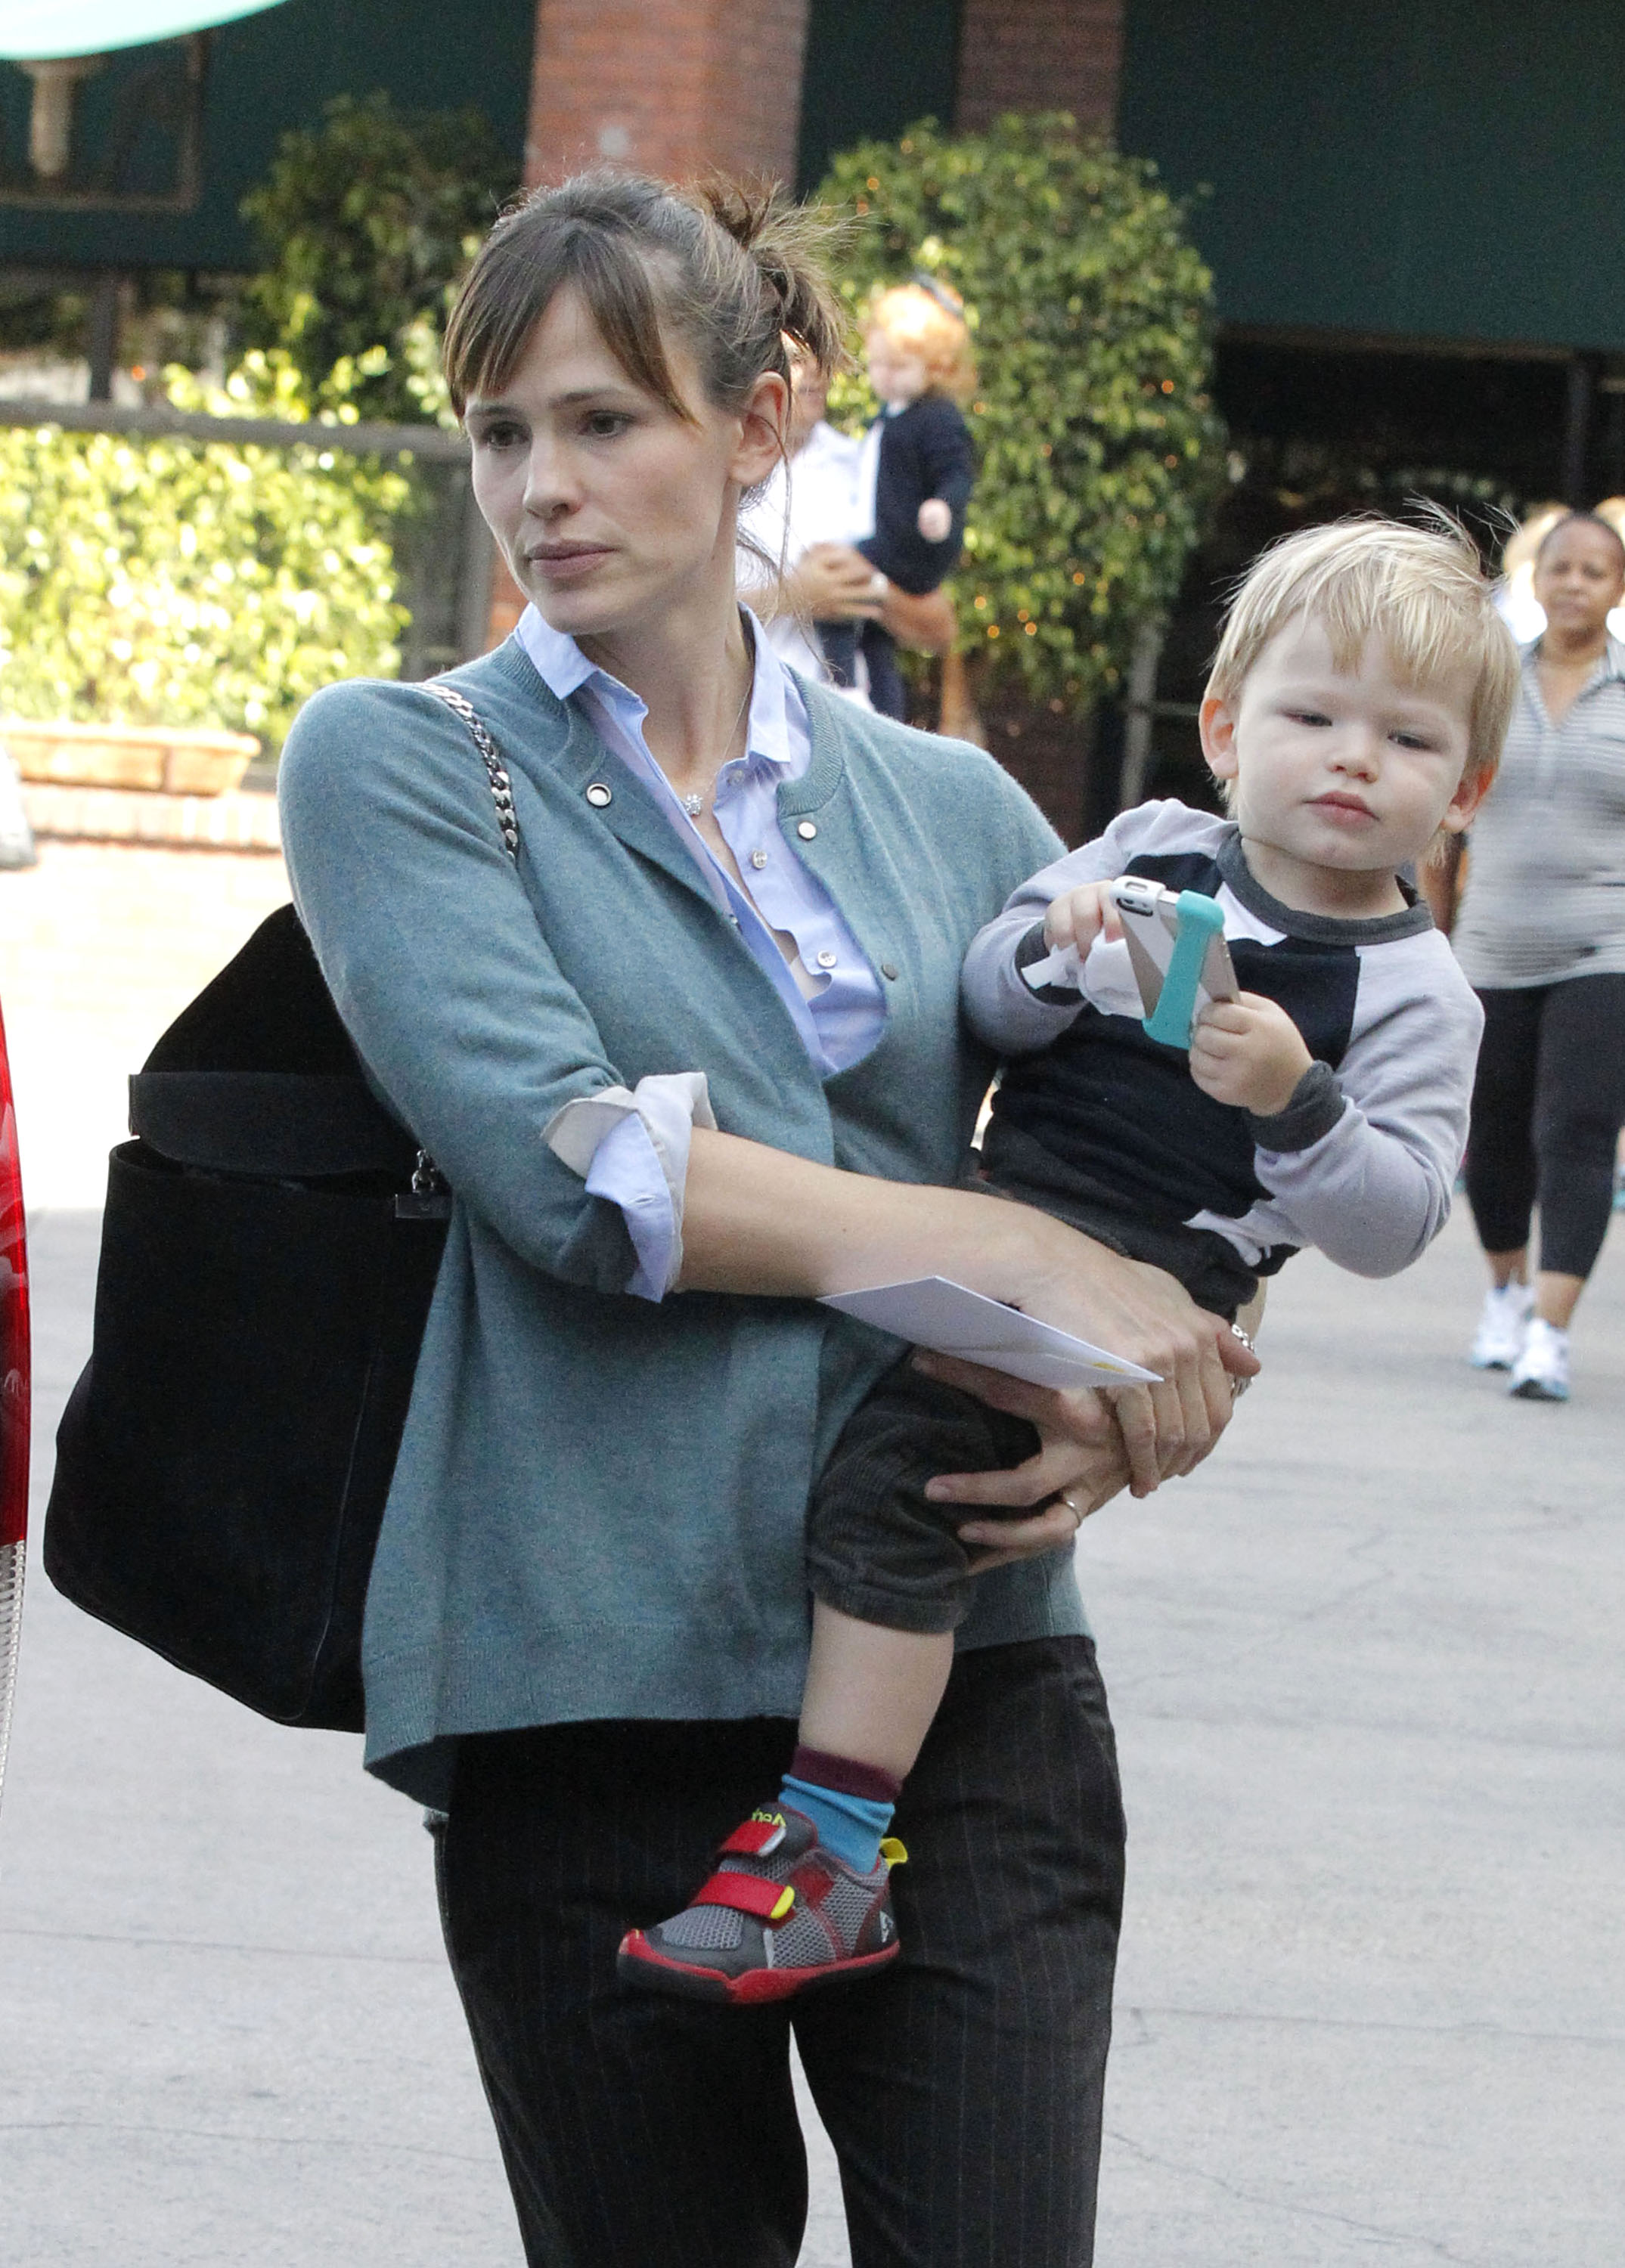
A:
(1099, 447)
(182, 582)
(365, 225)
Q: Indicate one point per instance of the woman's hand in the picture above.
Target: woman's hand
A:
(1140, 1312)
(1081, 1463)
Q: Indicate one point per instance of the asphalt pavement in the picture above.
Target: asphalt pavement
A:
(1371, 2003)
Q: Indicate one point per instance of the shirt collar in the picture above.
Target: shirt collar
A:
(564, 669)
(1612, 663)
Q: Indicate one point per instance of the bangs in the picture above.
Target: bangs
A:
(515, 280)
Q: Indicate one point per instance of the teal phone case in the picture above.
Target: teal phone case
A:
(1200, 919)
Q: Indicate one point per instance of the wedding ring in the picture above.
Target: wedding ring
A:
(1076, 1509)
(1238, 1386)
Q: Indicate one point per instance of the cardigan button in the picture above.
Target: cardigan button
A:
(806, 830)
(888, 970)
(598, 795)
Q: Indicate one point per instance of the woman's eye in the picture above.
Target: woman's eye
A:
(504, 434)
(604, 425)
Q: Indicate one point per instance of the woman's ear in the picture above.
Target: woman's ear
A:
(764, 429)
(1216, 722)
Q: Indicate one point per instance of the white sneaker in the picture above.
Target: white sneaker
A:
(1501, 1328)
(1541, 1371)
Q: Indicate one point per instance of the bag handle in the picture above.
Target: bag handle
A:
(501, 786)
(429, 1198)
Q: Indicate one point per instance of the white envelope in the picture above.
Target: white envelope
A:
(952, 1319)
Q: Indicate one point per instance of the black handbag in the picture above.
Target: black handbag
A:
(269, 1252)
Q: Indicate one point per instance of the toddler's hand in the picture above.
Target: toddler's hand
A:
(936, 521)
(1079, 917)
(1248, 1052)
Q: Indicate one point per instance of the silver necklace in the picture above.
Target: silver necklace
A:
(695, 805)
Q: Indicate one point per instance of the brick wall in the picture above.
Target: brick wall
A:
(1040, 55)
(671, 86)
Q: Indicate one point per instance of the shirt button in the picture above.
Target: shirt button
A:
(806, 830)
(598, 795)
(888, 970)
(758, 859)
(827, 959)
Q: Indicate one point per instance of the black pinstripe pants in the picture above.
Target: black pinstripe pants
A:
(962, 2089)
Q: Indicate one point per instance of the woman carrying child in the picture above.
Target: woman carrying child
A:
(694, 1061)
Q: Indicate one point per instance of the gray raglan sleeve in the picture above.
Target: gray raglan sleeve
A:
(1362, 1163)
(1000, 1006)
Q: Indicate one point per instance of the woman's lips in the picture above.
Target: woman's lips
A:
(565, 562)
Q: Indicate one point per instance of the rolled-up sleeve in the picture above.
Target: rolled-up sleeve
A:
(633, 1149)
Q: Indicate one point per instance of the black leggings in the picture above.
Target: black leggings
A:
(1548, 1105)
(962, 2090)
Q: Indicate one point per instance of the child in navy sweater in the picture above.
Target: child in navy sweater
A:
(916, 471)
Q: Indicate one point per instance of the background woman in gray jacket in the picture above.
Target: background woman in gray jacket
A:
(693, 1061)
(1542, 937)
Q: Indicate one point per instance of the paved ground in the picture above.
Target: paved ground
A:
(1372, 1998)
(101, 946)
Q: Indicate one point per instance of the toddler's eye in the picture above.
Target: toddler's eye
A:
(1308, 717)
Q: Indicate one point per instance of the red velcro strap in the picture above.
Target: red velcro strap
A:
(755, 1839)
(745, 1893)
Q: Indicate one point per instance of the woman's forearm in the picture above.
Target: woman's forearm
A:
(759, 1220)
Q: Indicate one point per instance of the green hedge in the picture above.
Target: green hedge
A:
(1100, 450)
(182, 582)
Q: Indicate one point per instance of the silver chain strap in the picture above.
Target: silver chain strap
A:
(501, 786)
(430, 1196)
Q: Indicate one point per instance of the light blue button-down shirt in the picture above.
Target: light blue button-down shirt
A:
(834, 999)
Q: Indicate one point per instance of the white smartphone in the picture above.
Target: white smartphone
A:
(1176, 950)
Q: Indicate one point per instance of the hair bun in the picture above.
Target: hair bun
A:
(786, 243)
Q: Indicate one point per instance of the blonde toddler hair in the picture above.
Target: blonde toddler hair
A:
(928, 323)
(1421, 589)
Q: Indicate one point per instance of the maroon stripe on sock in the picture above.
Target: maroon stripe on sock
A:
(846, 1775)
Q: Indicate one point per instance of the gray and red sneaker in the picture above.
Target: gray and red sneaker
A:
(778, 1914)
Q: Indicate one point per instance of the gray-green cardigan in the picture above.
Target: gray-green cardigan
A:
(598, 1506)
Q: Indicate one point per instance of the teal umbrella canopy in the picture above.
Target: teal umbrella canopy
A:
(40, 31)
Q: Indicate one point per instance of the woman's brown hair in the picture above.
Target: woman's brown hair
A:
(730, 272)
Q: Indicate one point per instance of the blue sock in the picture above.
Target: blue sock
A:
(849, 1826)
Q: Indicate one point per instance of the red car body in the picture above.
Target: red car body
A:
(14, 1382)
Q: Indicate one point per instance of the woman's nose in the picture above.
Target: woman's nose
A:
(549, 486)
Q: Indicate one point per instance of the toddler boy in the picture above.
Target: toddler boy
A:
(1354, 716)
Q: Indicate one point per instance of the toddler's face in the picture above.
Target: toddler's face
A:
(896, 376)
(1353, 771)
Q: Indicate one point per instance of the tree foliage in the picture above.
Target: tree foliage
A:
(1099, 446)
(365, 225)
(182, 582)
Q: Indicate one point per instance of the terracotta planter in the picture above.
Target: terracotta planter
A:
(176, 761)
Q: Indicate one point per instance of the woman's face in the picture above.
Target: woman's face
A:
(1579, 578)
(612, 511)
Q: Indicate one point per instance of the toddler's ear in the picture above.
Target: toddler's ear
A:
(1217, 725)
(1458, 812)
